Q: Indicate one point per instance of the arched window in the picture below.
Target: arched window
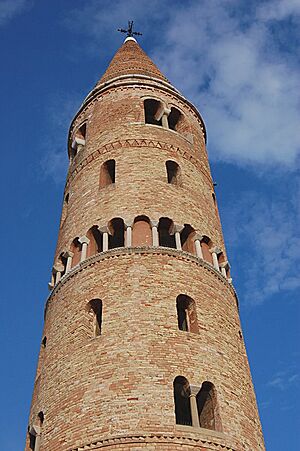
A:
(32, 439)
(181, 388)
(187, 242)
(206, 244)
(44, 341)
(207, 407)
(164, 232)
(174, 118)
(173, 172)
(81, 131)
(95, 244)
(63, 263)
(95, 309)
(107, 173)
(117, 231)
(78, 139)
(41, 418)
(186, 314)
(76, 249)
(141, 232)
(152, 109)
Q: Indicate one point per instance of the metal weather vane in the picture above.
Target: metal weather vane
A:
(129, 31)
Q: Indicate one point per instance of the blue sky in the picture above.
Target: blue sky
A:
(237, 62)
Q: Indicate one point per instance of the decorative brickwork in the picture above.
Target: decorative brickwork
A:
(142, 346)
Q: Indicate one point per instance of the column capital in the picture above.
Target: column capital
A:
(194, 390)
(104, 229)
(154, 223)
(68, 254)
(128, 223)
(162, 111)
(225, 265)
(34, 429)
(58, 267)
(215, 250)
(198, 237)
(78, 142)
(176, 228)
(83, 239)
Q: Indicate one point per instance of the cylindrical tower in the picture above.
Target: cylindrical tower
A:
(142, 345)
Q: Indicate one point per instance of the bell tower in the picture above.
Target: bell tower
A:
(142, 346)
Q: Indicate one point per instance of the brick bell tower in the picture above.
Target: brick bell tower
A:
(142, 346)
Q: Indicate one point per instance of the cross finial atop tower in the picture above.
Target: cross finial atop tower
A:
(129, 31)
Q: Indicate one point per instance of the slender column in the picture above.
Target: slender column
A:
(37, 442)
(162, 114)
(128, 235)
(176, 230)
(58, 277)
(84, 241)
(78, 144)
(69, 256)
(214, 252)
(155, 239)
(223, 271)
(36, 431)
(104, 230)
(164, 120)
(197, 241)
(194, 407)
(58, 270)
(225, 266)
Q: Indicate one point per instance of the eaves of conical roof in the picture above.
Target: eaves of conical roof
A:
(131, 59)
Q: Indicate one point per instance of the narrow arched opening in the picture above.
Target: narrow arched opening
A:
(182, 393)
(166, 239)
(152, 108)
(95, 307)
(187, 239)
(117, 233)
(173, 172)
(207, 407)
(76, 250)
(174, 118)
(206, 245)
(96, 242)
(186, 314)
(141, 232)
(107, 173)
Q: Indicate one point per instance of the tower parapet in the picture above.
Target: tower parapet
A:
(142, 345)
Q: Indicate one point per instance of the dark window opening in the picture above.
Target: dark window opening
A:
(152, 108)
(107, 173)
(174, 118)
(207, 406)
(32, 440)
(96, 309)
(41, 418)
(117, 230)
(165, 237)
(81, 132)
(44, 342)
(186, 314)
(214, 198)
(76, 249)
(67, 198)
(63, 261)
(182, 401)
(173, 172)
(206, 244)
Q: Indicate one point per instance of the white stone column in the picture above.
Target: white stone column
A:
(128, 235)
(214, 252)
(36, 431)
(194, 407)
(155, 239)
(78, 144)
(104, 230)
(197, 241)
(176, 229)
(68, 255)
(58, 270)
(84, 241)
(37, 442)
(225, 266)
(162, 114)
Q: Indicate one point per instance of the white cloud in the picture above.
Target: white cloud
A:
(10, 8)
(264, 242)
(278, 9)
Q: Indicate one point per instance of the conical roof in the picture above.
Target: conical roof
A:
(131, 59)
